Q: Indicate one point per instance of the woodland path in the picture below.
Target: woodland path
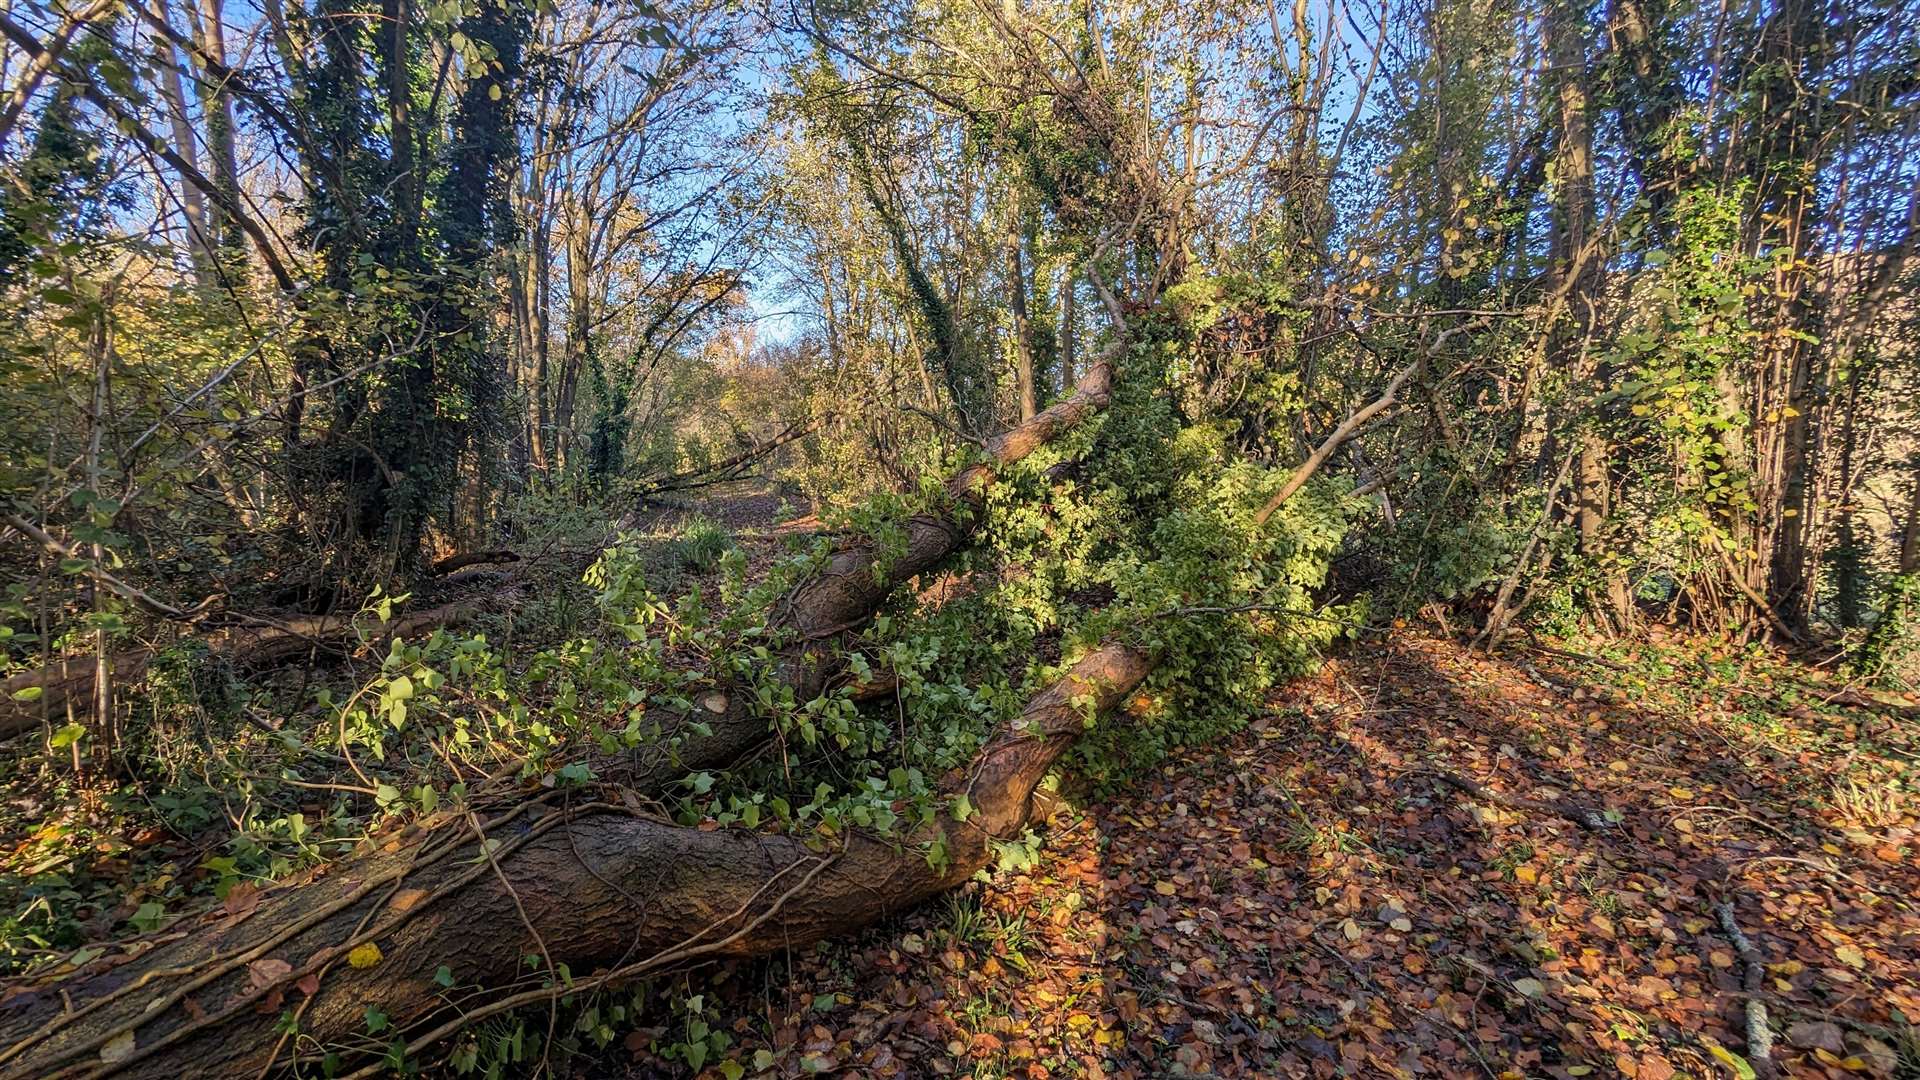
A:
(1311, 898)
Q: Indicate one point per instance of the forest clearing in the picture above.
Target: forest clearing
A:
(718, 539)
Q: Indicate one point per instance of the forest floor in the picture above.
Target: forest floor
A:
(1421, 861)
(1314, 898)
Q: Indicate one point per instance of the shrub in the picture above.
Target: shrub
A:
(701, 545)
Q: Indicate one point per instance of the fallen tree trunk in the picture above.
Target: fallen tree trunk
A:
(461, 561)
(607, 893)
(66, 686)
(720, 472)
(843, 595)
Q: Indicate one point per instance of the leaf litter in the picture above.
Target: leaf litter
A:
(1315, 897)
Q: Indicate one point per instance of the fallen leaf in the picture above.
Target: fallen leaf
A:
(241, 900)
(267, 971)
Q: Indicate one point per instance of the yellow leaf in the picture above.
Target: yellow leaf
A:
(364, 955)
(1525, 875)
(1731, 1060)
(1850, 956)
(1164, 888)
(1680, 792)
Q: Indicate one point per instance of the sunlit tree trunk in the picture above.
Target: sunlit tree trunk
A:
(216, 106)
(1022, 326)
(202, 235)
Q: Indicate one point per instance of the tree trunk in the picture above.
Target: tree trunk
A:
(216, 104)
(1782, 220)
(837, 600)
(67, 686)
(1068, 287)
(1577, 267)
(201, 239)
(598, 889)
(579, 329)
(1022, 326)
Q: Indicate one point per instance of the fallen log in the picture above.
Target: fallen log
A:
(461, 561)
(720, 472)
(259, 642)
(839, 599)
(1753, 971)
(606, 893)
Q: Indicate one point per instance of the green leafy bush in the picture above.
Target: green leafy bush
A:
(701, 544)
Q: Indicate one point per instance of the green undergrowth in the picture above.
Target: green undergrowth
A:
(1146, 535)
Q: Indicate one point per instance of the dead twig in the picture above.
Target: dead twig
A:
(1759, 1035)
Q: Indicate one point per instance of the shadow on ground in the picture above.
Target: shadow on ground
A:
(1312, 898)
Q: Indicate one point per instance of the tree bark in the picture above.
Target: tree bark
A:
(837, 600)
(1577, 267)
(216, 105)
(1022, 326)
(843, 596)
(1068, 287)
(1910, 536)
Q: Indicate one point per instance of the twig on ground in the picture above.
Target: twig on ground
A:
(1759, 1035)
